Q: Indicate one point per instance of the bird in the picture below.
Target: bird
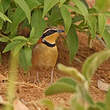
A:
(45, 53)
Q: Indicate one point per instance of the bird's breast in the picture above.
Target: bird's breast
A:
(44, 56)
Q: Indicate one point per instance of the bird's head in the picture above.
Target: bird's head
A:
(50, 36)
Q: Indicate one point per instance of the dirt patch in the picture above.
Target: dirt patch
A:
(29, 93)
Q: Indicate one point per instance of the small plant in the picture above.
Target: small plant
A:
(78, 85)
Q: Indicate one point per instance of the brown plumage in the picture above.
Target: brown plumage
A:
(45, 52)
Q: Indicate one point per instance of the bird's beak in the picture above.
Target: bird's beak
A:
(60, 31)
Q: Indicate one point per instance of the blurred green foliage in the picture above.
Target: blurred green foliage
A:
(17, 14)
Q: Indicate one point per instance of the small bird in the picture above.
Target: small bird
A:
(45, 53)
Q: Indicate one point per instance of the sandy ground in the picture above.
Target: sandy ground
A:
(30, 93)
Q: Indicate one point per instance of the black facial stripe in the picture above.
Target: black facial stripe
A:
(49, 32)
(48, 44)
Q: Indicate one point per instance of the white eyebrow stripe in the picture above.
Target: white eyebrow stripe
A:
(50, 29)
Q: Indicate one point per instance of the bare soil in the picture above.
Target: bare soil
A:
(30, 93)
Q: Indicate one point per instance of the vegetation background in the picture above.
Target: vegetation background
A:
(32, 17)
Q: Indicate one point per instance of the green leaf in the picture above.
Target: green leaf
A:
(62, 2)
(67, 17)
(4, 17)
(74, 9)
(94, 108)
(48, 103)
(102, 5)
(59, 87)
(55, 17)
(28, 55)
(17, 18)
(101, 105)
(21, 38)
(4, 39)
(86, 95)
(23, 5)
(1, 24)
(92, 63)
(101, 23)
(85, 3)
(76, 75)
(48, 4)
(33, 3)
(75, 105)
(82, 7)
(107, 101)
(67, 80)
(106, 37)
(92, 24)
(72, 42)
(77, 19)
(5, 4)
(25, 58)
(18, 48)
(11, 46)
(38, 23)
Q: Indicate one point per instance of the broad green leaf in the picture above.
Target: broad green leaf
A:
(58, 88)
(4, 17)
(33, 3)
(72, 42)
(102, 5)
(1, 20)
(32, 35)
(94, 108)
(67, 17)
(77, 19)
(107, 13)
(4, 39)
(86, 96)
(92, 63)
(101, 23)
(5, 4)
(48, 4)
(106, 37)
(75, 105)
(25, 58)
(38, 23)
(22, 60)
(62, 2)
(55, 18)
(76, 75)
(107, 101)
(48, 103)
(21, 38)
(18, 48)
(28, 55)
(101, 105)
(23, 5)
(92, 25)
(67, 80)
(85, 3)
(82, 7)
(74, 9)
(1, 24)
(17, 18)
(11, 46)
(41, 1)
